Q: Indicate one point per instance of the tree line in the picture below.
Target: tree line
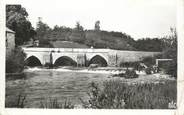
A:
(97, 38)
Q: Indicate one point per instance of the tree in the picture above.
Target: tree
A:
(170, 51)
(56, 28)
(97, 25)
(42, 29)
(78, 26)
(77, 34)
(170, 45)
(16, 19)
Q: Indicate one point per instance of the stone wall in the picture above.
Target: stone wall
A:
(133, 56)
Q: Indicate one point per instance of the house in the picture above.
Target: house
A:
(10, 41)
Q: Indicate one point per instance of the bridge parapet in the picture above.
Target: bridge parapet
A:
(85, 50)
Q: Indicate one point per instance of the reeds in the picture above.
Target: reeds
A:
(118, 95)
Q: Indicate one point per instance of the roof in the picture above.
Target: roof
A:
(9, 30)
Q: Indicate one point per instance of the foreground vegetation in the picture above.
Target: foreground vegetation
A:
(118, 95)
(54, 104)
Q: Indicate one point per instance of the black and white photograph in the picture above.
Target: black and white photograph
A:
(91, 54)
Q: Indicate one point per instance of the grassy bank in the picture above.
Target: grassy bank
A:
(118, 95)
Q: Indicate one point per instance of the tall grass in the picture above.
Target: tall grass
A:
(54, 104)
(18, 102)
(118, 95)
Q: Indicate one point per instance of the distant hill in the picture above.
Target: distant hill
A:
(79, 38)
(88, 38)
(104, 39)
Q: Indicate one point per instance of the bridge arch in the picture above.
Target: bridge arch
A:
(98, 59)
(32, 61)
(65, 61)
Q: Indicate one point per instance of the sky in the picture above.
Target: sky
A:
(137, 18)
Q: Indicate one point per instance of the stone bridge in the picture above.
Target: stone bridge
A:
(81, 57)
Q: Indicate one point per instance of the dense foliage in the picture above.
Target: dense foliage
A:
(90, 38)
(16, 19)
(148, 44)
(15, 62)
(118, 95)
(41, 29)
(150, 61)
(170, 51)
(130, 74)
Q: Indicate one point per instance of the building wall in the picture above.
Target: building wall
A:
(10, 43)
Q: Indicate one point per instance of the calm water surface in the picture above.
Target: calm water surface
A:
(41, 85)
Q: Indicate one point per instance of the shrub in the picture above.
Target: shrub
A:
(116, 95)
(103, 99)
(121, 75)
(130, 74)
(148, 70)
(15, 62)
(171, 69)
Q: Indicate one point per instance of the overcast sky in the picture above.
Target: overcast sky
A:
(138, 18)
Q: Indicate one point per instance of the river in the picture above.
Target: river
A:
(40, 85)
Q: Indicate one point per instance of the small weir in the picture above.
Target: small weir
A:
(105, 70)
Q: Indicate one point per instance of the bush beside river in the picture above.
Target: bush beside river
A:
(118, 95)
(15, 62)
